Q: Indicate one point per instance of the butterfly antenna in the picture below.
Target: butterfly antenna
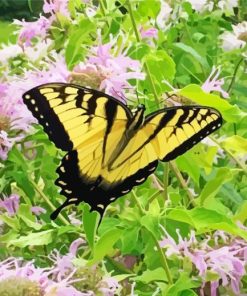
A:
(120, 94)
(123, 98)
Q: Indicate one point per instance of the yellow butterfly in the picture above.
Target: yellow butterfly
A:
(110, 149)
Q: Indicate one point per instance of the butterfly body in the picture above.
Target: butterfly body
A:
(109, 148)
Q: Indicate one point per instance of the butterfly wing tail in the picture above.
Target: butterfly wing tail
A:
(54, 215)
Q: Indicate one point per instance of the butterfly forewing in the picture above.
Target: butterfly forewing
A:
(71, 114)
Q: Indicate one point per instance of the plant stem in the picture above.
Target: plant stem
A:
(102, 7)
(162, 257)
(153, 197)
(182, 182)
(191, 73)
(240, 164)
(234, 75)
(138, 38)
(165, 180)
(138, 203)
(50, 204)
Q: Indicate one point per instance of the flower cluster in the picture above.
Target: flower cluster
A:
(107, 71)
(61, 279)
(14, 118)
(220, 254)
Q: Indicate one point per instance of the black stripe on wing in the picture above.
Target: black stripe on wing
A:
(192, 141)
(169, 113)
(41, 110)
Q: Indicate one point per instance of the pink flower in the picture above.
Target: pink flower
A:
(13, 267)
(63, 264)
(214, 84)
(38, 210)
(71, 291)
(228, 266)
(149, 33)
(10, 204)
(15, 119)
(227, 261)
(54, 6)
(102, 70)
(73, 220)
(29, 30)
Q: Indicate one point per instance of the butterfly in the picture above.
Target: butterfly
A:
(109, 148)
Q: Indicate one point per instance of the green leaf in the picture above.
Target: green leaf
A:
(12, 222)
(74, 50)
(17, 158)
(235, 144)
(191, 51)
(11, 235)
(24, 212)
(201, 156)
(213, 186)
(23, 182)
(241, 214)
(148, 276)
(205, 220)
(90, 223)
(181, 215)
(187, 293)
(161, 66)
(105, 244)
(150, 8)
(67, 229)
(151, 223)
(138, 51)
(229, 112)
(182, 285)
(229, 191)
(129, 240)
(34, 239)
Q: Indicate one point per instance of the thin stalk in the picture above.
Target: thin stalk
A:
(102, 7)
(138, 203)
(138, 38)
(157, 183)
(162, 258)
(239, 163)
(182, 182)
(192, 74)
(152, 198)
(165, 180)
(50, 204)
(234, 75)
